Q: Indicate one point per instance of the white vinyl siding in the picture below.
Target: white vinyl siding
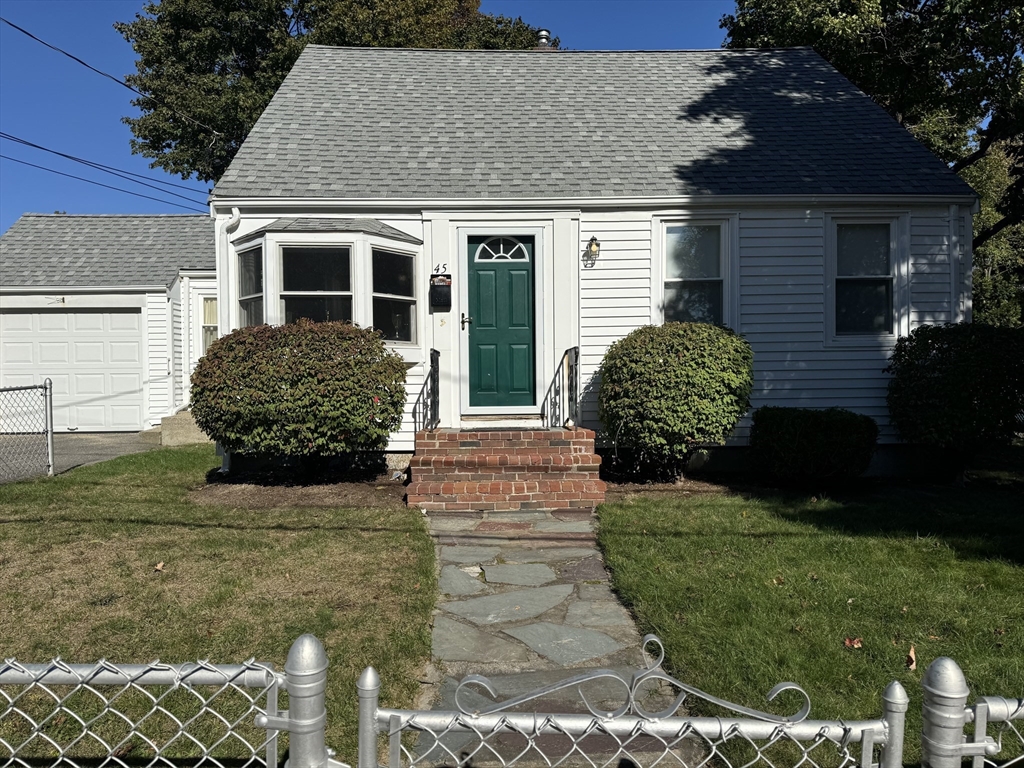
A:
(931, 273)
(158, 358)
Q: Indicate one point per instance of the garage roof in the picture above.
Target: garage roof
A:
(104, 250)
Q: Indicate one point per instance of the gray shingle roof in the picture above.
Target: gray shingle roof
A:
(391, 123)
(62, 250)
(367, 226)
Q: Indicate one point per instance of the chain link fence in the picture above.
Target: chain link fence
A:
(26, 431)
(137, 714)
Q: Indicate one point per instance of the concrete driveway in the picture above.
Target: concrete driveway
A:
(73, 450)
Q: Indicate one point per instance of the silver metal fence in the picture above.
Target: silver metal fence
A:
(205, 714)
(140, 714)
(26, 431)
(504, 733)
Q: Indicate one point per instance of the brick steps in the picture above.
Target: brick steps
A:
(505, 470)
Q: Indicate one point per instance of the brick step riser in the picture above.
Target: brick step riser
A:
(534, 463)
(502, 450)
(499, 477)
(458, 504)
(495, 487)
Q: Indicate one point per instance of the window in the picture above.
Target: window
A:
(394, 306)
(694, 289)
(317, 284)
(864, 278)
(209, 326)
(250, 287)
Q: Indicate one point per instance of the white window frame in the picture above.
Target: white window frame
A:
(729, 266)
(200, 305)
(360, 247)
(899, 248)
(283, 294)
(240, 253)
(395, 296)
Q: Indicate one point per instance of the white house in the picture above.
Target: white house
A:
(756, 189)
(115, 310)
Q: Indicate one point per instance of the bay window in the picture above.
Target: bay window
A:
(250, 287)
(394, 305)
(316, 284)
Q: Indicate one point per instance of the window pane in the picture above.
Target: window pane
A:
(394, 319)
(392, 273)
(210, 311)
(319, 309)
(252, 311)
(862, 249)
(251, 272)
(694, 302)
(864, 306)
(209, 335)
(694, 251)
(316, 269)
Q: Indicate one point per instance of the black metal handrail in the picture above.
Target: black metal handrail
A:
(426, 412)
(562, 400)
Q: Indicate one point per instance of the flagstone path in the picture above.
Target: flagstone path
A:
(525, 600)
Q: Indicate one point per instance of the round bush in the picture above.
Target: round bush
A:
(298, 390)
(957, 387)
(801, 444)
(667, 389)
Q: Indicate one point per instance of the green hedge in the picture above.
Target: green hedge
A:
(668, 389)
(799, 444)
(299, 390)
(957, 387)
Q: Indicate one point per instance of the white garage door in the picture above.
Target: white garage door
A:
(94, 358)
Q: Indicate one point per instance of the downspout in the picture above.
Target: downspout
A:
(224, 273)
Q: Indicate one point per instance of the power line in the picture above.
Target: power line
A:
(98, 184)
(117, 80)
(106, 169)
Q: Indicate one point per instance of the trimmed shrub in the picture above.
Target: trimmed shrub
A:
(665, 390)
(957, 387)
(299, 390)
(799, 444)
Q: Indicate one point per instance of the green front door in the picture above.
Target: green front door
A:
(501, 359)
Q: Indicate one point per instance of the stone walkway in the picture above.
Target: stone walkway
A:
(525, 598)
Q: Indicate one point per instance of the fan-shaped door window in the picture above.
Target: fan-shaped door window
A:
(502, 249)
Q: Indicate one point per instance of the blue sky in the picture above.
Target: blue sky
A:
(50, 100)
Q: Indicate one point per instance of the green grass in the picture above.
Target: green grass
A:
(750, 589)
(77, 578)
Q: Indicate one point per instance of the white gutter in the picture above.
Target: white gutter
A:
(14, 289)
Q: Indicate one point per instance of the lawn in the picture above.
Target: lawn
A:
(750, 587)
(79, 579)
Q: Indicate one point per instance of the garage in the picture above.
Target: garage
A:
(95, 359)
(99, 305)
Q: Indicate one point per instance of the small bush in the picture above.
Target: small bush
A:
(668, 389)
(299, 390)
(800, 444)
(957, 387)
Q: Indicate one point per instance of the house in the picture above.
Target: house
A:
(115, 310)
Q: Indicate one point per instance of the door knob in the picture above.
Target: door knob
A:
(466, 321)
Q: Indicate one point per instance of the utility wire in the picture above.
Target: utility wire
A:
(98, 184)
(98, 165)
(117, 80)
(126, 175)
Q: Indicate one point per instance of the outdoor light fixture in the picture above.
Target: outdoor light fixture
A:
(591, 252)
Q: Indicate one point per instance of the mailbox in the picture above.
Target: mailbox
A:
(441, 292)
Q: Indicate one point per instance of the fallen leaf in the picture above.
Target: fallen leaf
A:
(912, 659)
(814, 499)
(904, 609)
(934, 637)
(850, 601)
(779, 581)
(812, 576)
(999, 631)
(853, 642)
(159, 566)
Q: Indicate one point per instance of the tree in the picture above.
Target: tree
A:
(950, 71)
(208, 68)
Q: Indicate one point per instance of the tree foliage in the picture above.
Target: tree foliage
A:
(950, 71)
(208, 68)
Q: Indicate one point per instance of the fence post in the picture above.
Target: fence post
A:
(895, 703)
(945, 701)
(48, 408)
(306, 681)
(369, 690)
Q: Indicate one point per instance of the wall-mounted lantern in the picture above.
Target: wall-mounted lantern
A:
(591, 252)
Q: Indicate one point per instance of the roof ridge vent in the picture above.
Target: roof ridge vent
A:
(543, 40)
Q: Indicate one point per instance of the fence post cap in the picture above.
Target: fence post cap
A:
(895, 696)
(306, 656)
(945, 678)
(369, 680)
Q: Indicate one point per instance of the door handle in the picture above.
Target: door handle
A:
(466, 321)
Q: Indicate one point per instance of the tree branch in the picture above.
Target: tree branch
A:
(989, 232)
(983, 147)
